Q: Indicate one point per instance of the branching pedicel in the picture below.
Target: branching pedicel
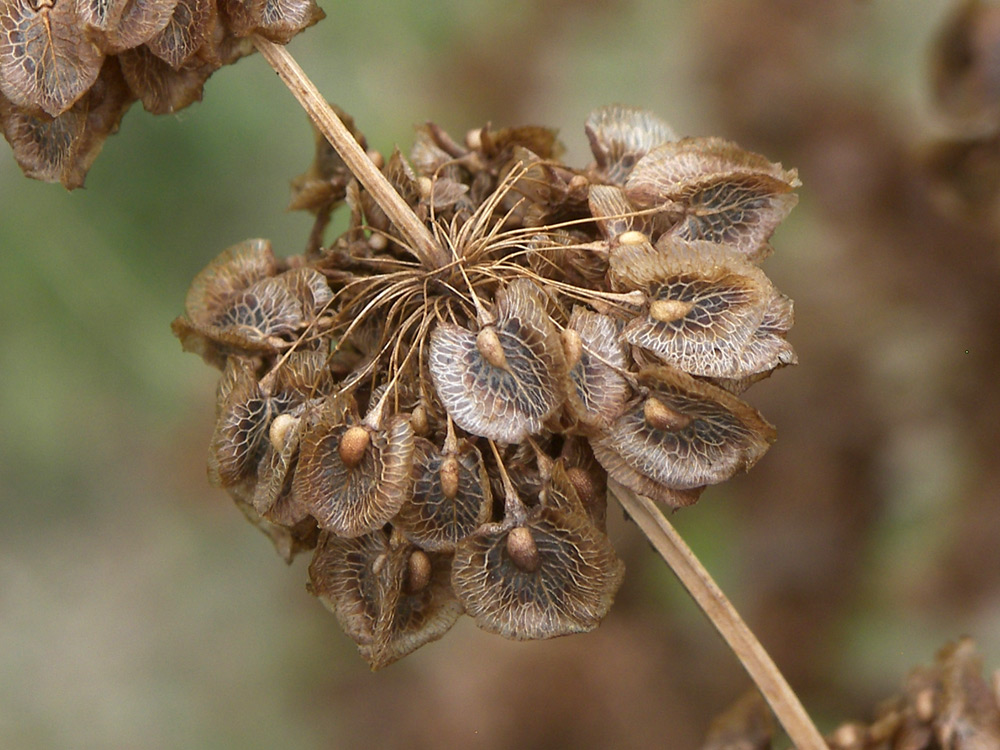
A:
(436, 402)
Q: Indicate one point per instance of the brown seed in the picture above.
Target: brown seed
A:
(583, 483)
(353, 444)
(662, 417)
(668, 310)
(632, 237)
(278, 432)
(418, 420)
(449, 477)
(522, 549)
(573, 347)
(489, 346)
(418, 571)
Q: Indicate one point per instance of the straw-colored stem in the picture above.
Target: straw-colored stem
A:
(724, 617)
(418, 237)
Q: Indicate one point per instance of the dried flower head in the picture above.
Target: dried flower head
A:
(69, 69)
(449, 421)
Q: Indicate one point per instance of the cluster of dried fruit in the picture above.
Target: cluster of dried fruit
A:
(948, 705)
(69, 69)
(443, 433)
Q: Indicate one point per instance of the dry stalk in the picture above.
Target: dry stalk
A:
(643, 511)
(717, 607)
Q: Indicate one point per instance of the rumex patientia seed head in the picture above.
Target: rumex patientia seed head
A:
(443, 434)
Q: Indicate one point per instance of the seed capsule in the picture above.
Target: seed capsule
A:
(418, 420)
(522, 549)
(633, 237)
(278, 432)
(573, 346)
(489, 346)
(418, 571)
(661, 417)
(353, 445)
(669, 310)
(449, 477)
(583, 483)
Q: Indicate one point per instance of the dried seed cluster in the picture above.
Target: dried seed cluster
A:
(69, 69)
(442, 434)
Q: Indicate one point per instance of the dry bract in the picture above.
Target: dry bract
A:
(450, 420)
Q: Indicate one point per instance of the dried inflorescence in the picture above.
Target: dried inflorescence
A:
(443, 433)
(69, 69)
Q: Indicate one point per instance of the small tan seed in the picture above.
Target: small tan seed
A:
(418, 420)
(669, 310)
(278, 432)
(353, 444)
(449, 477)
(661, 417)
(632, 237)
(522, 549)
(418, 571)
(583, 483)
(572, 346)
(489, 346)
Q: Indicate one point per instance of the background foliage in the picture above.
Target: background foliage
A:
(138, 609)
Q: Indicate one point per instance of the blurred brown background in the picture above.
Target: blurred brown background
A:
(138, 609)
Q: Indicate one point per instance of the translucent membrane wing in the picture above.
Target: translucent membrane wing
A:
(620, 136)
(451, 496)
(682, 434)
(566, 586)
(256, 316)
(190, 27)
(597, 391)
(722, 193)
(587, 477)
(303, 376)
(352, 492)
(161, 88)
(136, 21)
(310, 287)
(283, 19)
(711, 313)
(613, 212)
(241, 430)
(233, 270)
(505, 395)
(47, 60)
(342, 575)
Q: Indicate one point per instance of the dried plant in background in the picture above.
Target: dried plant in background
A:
(70, 69)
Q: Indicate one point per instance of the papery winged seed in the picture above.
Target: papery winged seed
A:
(418, 617)
(280, 20)
(613, 212)
(233, 270)
(136, 22)
(162, 89)
(189, 28)
(47, 61)
(570, 590)
(45, 147)
(354, 500)
(708, 308)
(256, 315)
(502, 404)
(342, 576)
(273, 497)
(597, 390)
(310, 287)
(620, 136)
(718, 435)
(241, 429)
(430, 518)
(303, 376)
(722, 193)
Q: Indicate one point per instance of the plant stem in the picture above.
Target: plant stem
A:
(724, 617)
(421, 242)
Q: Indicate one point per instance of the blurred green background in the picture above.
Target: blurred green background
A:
(138, 609)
